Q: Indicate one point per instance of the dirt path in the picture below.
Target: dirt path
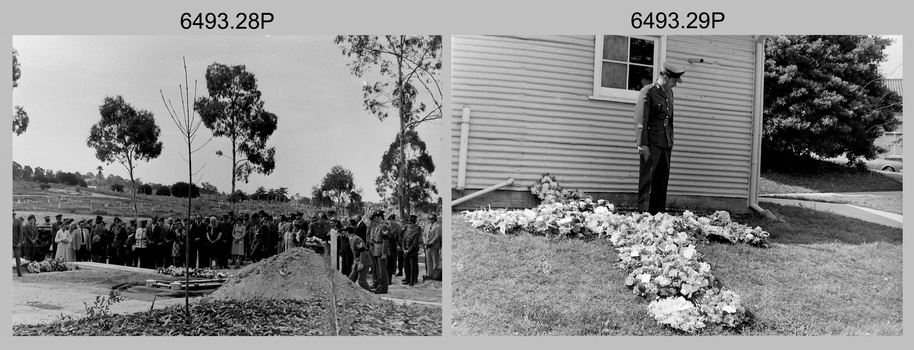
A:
(42, 298)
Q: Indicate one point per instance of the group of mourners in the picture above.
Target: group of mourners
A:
(381, 245)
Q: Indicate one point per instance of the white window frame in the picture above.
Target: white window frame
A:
(622, 95)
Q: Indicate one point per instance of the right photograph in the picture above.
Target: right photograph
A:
(676, 185)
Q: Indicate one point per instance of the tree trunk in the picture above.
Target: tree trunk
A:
(133, 186)
(401, 188)
(234, 169)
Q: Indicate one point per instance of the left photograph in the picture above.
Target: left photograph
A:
(227, 185)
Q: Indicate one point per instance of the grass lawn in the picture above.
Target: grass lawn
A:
(804, 178)
(823, 275)
(808, 175)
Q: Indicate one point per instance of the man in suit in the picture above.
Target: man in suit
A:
(654, 137)
(197, 235)
(155, 238)
(168, 237)
(433, 246)
(18, 238)
(361, 229)
(213, 239)
(82, 241)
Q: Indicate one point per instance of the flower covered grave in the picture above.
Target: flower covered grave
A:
(659, 251)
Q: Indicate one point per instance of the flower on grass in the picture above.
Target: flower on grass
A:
(678, 313)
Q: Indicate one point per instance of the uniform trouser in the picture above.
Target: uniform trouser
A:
(379, 271)
(653, 180)
(400, 261)
(434, 256)
(18, 261)
(392, 266)
(360, 275)
(411, 268)
(346, 266)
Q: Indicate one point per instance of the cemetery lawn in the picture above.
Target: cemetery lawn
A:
(823, 275)
(86, 203)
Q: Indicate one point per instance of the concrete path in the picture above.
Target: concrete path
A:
(101, 266)
(865, 214)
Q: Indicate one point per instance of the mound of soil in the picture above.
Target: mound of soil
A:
(298, 274)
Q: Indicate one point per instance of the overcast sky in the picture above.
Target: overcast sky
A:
(304, 81)
(892, 67)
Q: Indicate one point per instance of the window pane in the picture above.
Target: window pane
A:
(639, 77)
(613, 75)
(615, 48)
(642, 51)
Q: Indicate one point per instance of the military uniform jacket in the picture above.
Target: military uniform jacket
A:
(379, 240)
(396, 235)
(412, 238)
(654, 117)
(358, 247)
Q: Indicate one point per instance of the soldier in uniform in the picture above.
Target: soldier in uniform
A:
(412, 236)
(99, 242)
(56, 225)
(395, 260)
(380, 251)
(118, 249)
(654, 137)
(361, 259)
(30, 245)
(47, 234)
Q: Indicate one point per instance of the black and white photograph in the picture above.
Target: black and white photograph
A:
(227, 185)
(671, 185)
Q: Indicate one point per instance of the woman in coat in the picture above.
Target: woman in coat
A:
(139, 248)
(64, 248)
(238, 235)
(177, 245)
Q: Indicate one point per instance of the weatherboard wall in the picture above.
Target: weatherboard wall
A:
(531, 112)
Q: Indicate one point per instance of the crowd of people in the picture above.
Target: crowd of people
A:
(384, 246)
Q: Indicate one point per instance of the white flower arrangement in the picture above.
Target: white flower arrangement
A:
(659, 251)
(678, 313)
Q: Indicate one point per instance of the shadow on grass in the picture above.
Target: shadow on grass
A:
(791, 174)
(807, 226)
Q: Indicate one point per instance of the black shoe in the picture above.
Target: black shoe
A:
(380, 292)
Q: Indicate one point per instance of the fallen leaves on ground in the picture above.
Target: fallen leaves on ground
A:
(259, 317)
